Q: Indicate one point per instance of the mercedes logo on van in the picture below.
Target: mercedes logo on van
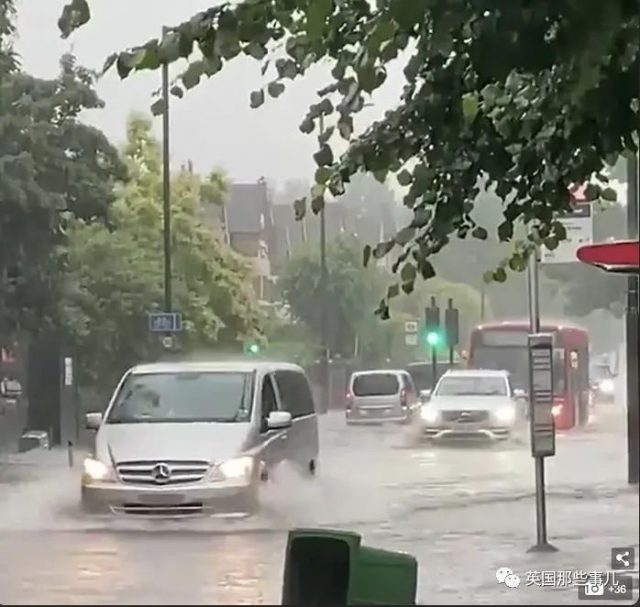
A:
(161, 473)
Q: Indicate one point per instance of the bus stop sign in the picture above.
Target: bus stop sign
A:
(543, 432)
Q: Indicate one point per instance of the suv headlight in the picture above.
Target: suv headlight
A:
(506, 415)
(95, 470)
(429, 414)
(237, 468)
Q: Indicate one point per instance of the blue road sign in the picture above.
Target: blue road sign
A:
(165, 322)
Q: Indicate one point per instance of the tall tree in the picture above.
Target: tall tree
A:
(52, 168)
(524, 98)
(116, 276)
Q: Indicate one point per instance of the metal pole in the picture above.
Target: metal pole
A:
(450, 306)
(324, 299)
(534, 327)
(166, 186)
(631, 322)
(483, 297)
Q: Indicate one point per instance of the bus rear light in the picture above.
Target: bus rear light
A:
(403, 398)
(556, 410)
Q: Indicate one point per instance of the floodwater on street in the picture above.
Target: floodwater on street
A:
(463, 511)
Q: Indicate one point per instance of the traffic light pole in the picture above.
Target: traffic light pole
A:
(631, 322)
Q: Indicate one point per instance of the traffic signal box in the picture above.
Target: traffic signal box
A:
(328, 567)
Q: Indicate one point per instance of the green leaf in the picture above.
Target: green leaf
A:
(487, 277)
(404, 178)
(408, 272)
(382, 248)
(300, 208)
(393, 291)
(212, 65)
(286, 68)
(193, 74)
(427, 270)
(405, 235)
(551, 243)
(380, 175)
(322, 174)
(317, 13)
(480, 233)
(307, 126)
(74, 15)
(317, 204)
(609, 194)
(177, 91)
(505, 230)
(324, 156)
(326, 135)
(255, 50)
(499, 275)
(408, 287)
(470, 106)
(109, 63)
(158, 107)
(275, 88)
(256, 99)
(345, 127)
(366, 255)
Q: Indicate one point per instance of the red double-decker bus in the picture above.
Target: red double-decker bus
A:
(503, 345)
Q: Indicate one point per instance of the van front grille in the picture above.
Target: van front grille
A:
(162, 472)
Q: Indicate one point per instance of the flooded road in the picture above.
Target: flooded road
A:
(462, 511)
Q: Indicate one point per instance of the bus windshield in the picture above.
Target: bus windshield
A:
(515, 360)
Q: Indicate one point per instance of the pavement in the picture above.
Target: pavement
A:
(463, 512)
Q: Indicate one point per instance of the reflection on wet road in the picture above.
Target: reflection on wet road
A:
(373, 480)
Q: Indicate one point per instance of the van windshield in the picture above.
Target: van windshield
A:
(375, 384)
(183, 397)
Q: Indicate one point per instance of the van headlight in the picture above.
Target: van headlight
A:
(429, 415)
(506, 415)
(239, 467)
(95, 470)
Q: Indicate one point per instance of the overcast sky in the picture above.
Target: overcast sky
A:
(213, 125)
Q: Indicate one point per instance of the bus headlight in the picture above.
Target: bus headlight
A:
(506, 415)
(429, 415)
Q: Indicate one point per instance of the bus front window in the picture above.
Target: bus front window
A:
(514, 359)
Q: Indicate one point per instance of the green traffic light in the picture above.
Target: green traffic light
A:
(254, 348)
(433, 338)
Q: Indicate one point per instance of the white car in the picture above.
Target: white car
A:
(471, 404)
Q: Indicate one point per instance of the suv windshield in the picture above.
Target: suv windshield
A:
(375, 384)
(183, 397)
(477, 386)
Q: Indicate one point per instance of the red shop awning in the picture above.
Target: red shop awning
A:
(620, 257)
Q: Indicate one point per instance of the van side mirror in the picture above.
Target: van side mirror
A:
(327, 567)
(425, 395)
(92, 421)
(278, 420)
(520, 394)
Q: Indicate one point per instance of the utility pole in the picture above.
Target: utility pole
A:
(166, 187)
(631, 322)
(324, 300)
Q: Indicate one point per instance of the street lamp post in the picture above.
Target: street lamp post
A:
(324, 342)
(166, 186)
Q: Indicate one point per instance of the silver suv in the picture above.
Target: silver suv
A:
(382, 395)
(190, 438)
